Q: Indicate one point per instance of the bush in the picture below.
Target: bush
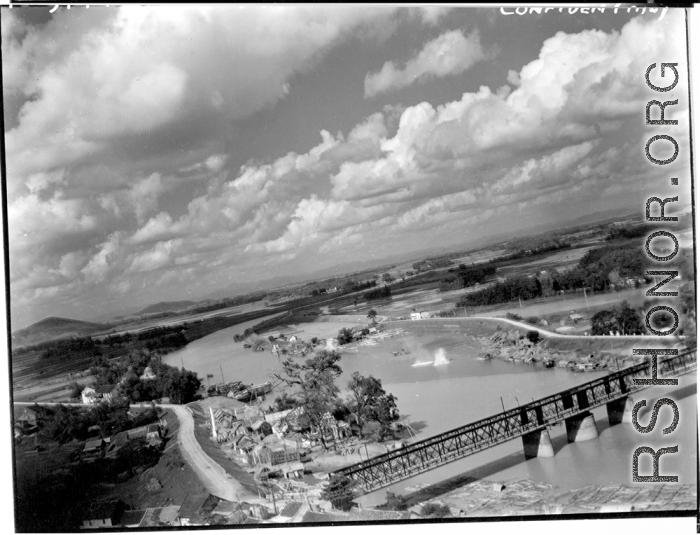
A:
(344, 336)
(533, 336)
(512, 316)
(435, 509)
(395, 502)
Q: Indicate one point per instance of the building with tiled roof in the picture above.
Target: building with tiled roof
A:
(290, 509)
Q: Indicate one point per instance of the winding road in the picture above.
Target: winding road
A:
(210, 473)
(531, 327)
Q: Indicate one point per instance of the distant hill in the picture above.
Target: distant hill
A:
(50, 328)
(165, 306)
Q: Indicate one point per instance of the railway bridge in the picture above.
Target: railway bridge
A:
(530, 422)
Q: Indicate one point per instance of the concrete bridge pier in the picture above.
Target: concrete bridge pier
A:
(620, 410)
(581, 427)
(537, 444)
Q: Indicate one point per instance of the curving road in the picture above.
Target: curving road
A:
(210, 473)
(545, 332)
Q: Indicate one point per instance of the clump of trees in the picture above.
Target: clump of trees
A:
(592, 272)
(369, 401)
(435, 510)
(312, 386)
(76, 347)
(467, 276)
(622, 318)
(344, 336)
(628, 232)
(63, 424)
(378, 293)
(536, 250)
(178, 384)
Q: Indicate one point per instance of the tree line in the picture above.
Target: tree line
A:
(466, 276)
(593, 272)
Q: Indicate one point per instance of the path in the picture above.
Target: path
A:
(212, 475)
(545, 332)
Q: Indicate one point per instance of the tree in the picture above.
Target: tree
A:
(603, 322)
(344, 336)
(313, 384)
(369, 401)
(372, 315)
(435, 510)
(75, 389)
(387, 277)
(628, 319)
(533, 336)
(340, 492)
(395, 502)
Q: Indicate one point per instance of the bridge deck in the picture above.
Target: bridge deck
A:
(449, 446)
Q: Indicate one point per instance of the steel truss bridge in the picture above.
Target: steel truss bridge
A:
(430, 453)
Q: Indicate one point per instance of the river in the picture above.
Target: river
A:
(438, 398)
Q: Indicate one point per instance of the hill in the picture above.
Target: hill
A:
(49, 328)
(165, 306)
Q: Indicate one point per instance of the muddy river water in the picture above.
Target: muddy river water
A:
(440, 385)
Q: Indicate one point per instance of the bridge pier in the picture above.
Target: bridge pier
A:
(537, 444)
(620, 410)
(581, 427)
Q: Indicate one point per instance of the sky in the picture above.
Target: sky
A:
(167, 152)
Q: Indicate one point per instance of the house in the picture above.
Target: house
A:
(147, 374)
(335, 428)
(25, 419)
(294, 469)
(373, 330)
(576, 317)
(273, 451)
(103, 515)
(116, 443)
(94, 447)
(106, 392)
(293, 338)
(415, 316)
(88, 395)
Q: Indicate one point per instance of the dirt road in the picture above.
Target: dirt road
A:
(212, 476)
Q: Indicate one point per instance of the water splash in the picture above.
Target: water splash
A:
(439, 360)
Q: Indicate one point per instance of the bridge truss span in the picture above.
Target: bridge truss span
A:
(527, 421)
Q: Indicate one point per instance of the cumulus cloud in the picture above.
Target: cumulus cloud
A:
(424, 173)
(450, 53)
(104, 87)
